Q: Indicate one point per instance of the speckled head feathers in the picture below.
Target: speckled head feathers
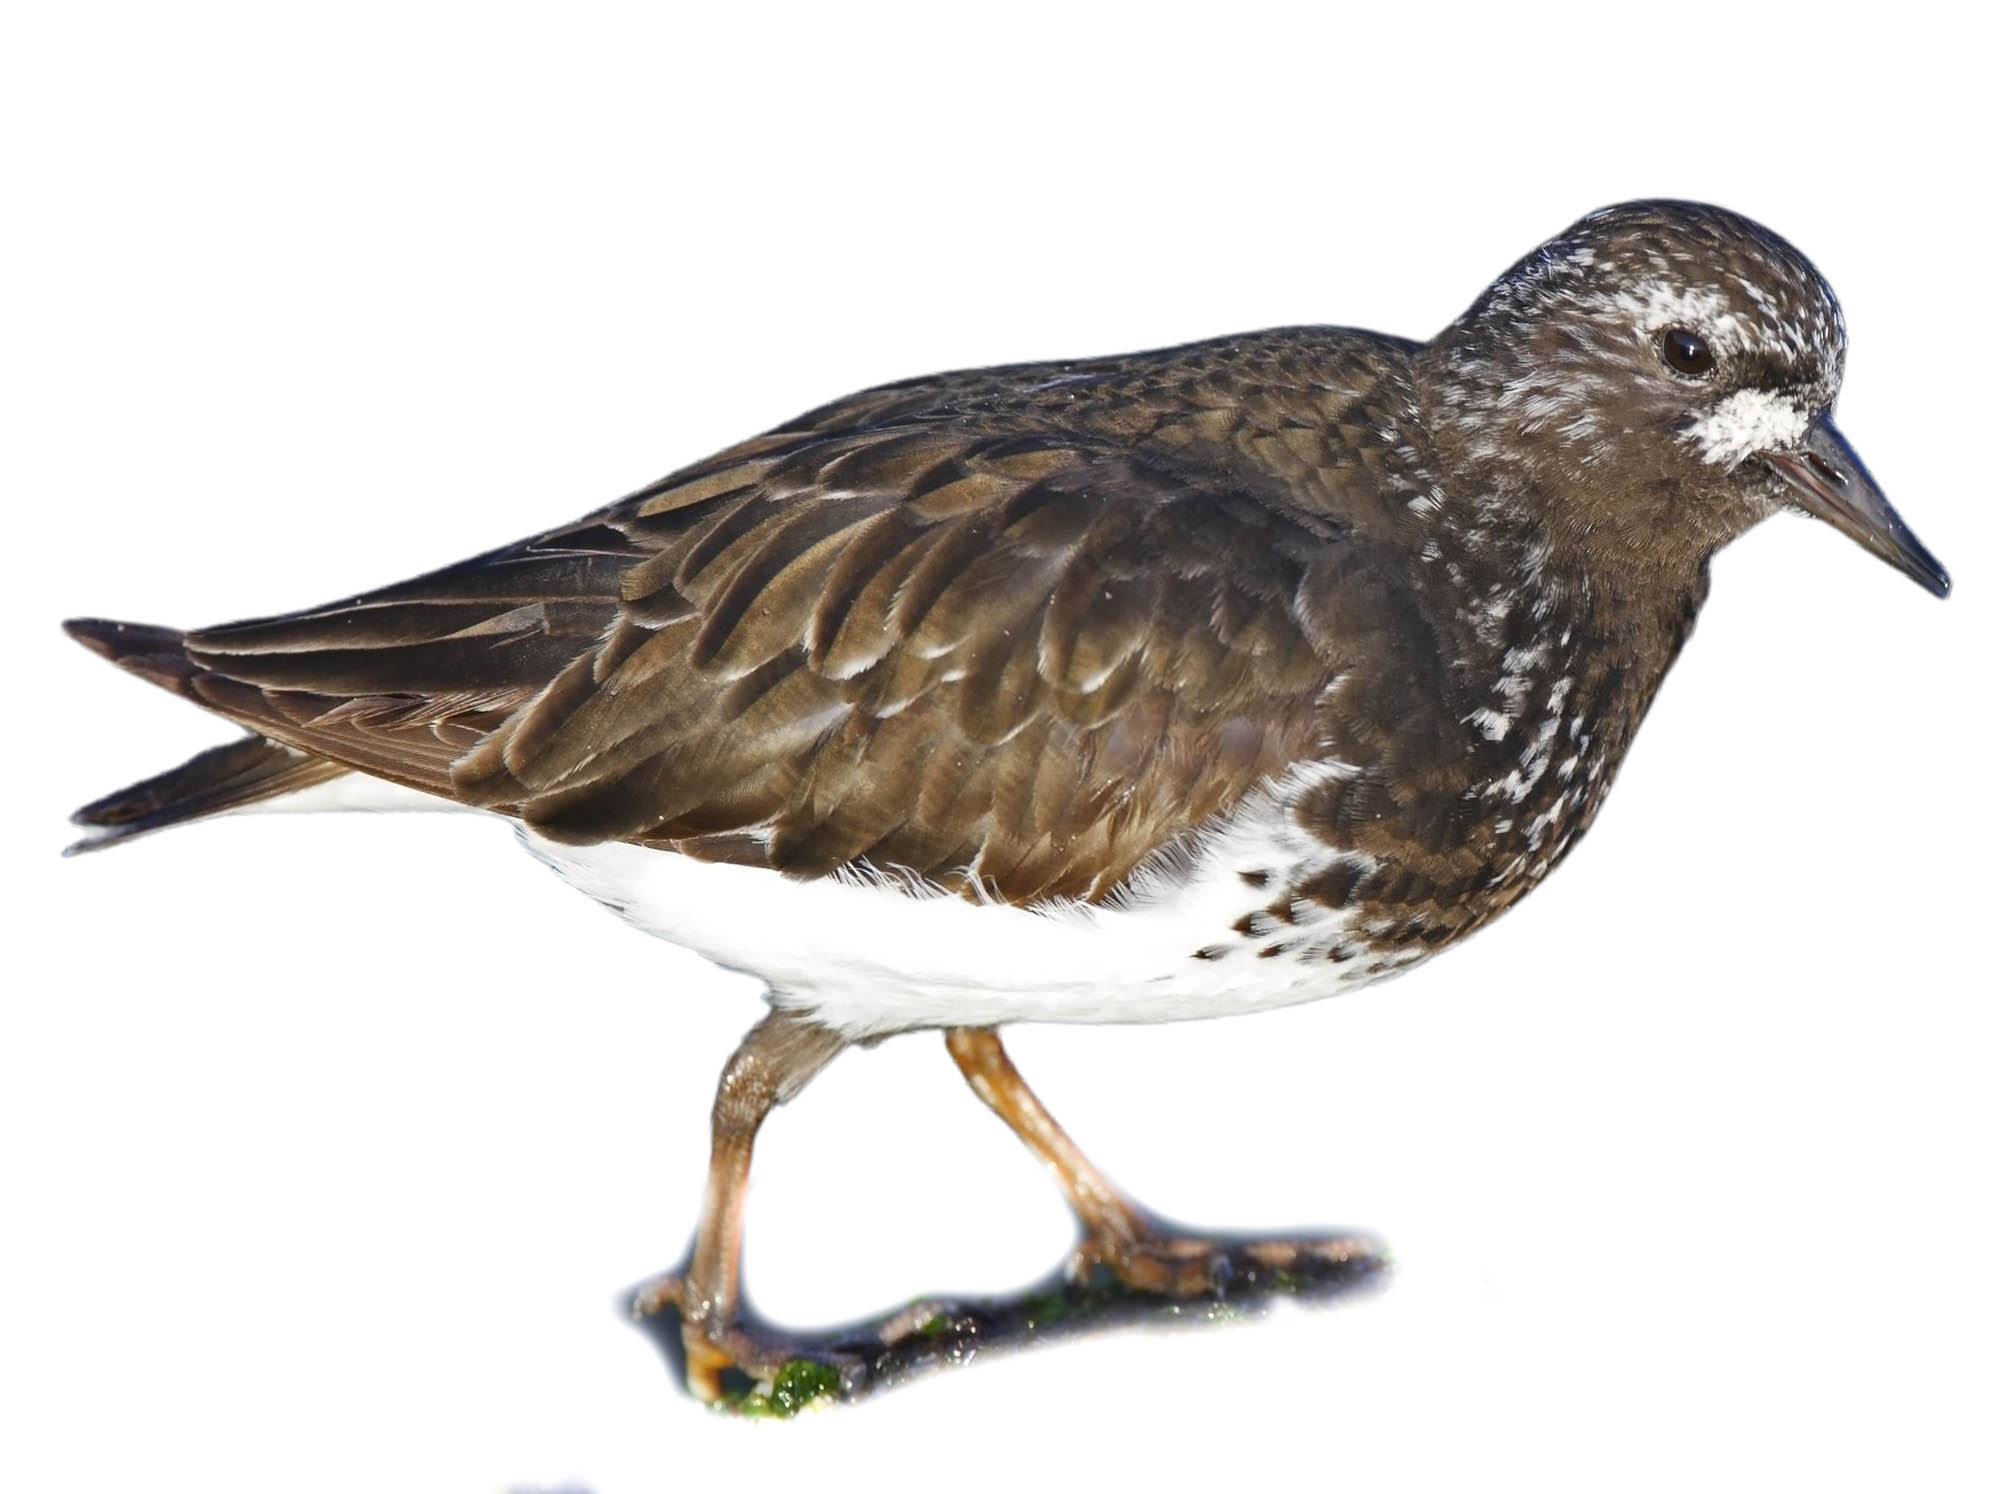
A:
(1635, 373)
(1658, 263)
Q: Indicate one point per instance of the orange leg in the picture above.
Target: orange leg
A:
(1115, 1231)
(771, 1066)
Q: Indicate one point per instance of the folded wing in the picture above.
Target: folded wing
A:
(1018, 659)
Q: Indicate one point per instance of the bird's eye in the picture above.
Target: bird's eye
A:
(1687, 353)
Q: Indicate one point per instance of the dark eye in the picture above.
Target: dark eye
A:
(1686, 353)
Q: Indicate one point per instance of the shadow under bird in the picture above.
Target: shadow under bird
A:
(1133, 689)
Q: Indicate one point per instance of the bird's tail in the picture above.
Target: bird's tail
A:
(240, 773)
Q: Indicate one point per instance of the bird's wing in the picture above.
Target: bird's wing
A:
(1027, 656)
(882, 635)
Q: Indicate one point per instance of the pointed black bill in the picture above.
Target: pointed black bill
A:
(1831, 484)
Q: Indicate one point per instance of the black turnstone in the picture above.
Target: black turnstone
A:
(1116, 690)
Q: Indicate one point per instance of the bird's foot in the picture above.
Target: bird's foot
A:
(745, 1368)
(1172, 1263)
(1148, 1275)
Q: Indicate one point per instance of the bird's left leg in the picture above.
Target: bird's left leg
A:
(772, 1064)
(1118, 1233)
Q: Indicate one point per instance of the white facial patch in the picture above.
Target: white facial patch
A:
(1747, 422)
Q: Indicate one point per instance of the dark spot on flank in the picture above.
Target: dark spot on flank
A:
(1401, 886)
(1341, 954)
(1255, 878)
(1333, 887)
(1211, 952)
(1263, 922)
(1271, 950)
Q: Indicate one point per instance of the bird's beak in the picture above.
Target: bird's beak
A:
(1831, 484)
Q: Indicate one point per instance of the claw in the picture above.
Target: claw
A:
(779, 1376)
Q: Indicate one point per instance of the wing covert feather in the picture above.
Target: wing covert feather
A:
(1017, 660)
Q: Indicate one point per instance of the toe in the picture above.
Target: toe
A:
(657, 1294)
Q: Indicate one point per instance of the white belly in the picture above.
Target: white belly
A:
(866, 957)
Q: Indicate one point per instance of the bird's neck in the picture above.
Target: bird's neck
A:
(1543, 624)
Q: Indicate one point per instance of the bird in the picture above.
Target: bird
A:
(1129, 689)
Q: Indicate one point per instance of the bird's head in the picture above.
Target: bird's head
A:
(1663, 375)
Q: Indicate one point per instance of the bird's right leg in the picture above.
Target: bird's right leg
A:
(1117, 1232)
(772, 1064)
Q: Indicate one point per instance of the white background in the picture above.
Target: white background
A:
(329, 1145)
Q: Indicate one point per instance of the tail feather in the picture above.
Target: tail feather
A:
(155, 654)
(232, 776)
(394, 685)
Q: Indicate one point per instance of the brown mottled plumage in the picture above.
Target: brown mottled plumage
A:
(1342, 634)
(960, 620)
